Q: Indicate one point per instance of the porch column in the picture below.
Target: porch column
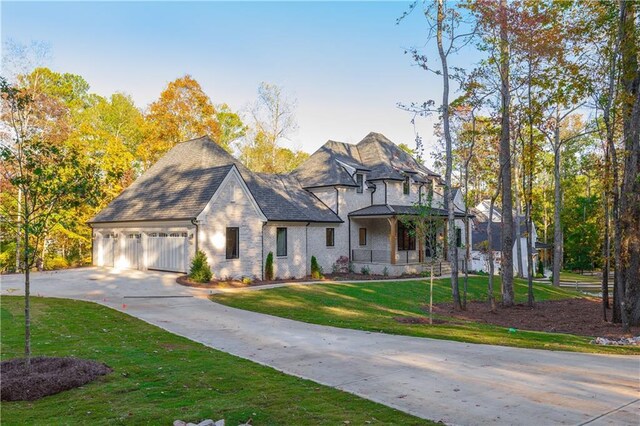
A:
(393, 237)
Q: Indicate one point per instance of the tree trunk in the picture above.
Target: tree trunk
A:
(27, 301)
(505, 164)
(606, 243)
(518, 234)
(629, 213)
(528, 166)
(557, 205)
(18, 218)
(451, 234)
(492, 300)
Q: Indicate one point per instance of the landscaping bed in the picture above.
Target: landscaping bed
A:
(218, 284)
(46, 376)
(579, 316)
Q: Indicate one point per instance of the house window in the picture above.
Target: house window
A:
(406, 186)
(406, 238)
(330, 237)
(363, 236)
(458, 237)
(281, 241)
(233, 243)
(360, 183)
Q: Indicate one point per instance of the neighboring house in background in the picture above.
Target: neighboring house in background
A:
(344, 200)
(479, 256)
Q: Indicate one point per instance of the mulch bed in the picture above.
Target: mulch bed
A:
(582, 317)
(48, 376)
(216, 284)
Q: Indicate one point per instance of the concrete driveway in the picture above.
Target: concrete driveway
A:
(456, 383)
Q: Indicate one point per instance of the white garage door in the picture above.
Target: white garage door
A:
(131, 251)
(105, 248)
(167, 251)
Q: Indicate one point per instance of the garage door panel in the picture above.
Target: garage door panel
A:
(106, 247)
(167, 251)
(131, 251)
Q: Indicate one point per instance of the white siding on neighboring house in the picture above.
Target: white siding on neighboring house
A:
(232, 206)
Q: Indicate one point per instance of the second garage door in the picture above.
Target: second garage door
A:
(168, 251)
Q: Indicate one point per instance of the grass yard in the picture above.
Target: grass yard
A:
(159, 377)
(573, 277)
(373, 307)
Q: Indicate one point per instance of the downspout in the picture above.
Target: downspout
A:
(306, 249)
(194, 222)
(374, 190)
(385, 191)
(337, 201)
(349, 230)
(262, 251)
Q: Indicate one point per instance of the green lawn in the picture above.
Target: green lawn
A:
(373, 307)
(572, 277)
(159, 377)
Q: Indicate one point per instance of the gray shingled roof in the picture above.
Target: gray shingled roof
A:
(393, 210)
(181, 183)
(323, 169)
(381, 158)
(288, 188)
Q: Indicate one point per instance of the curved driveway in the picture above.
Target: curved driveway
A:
(457, 383)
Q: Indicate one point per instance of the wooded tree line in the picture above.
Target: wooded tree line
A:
(51, 117)
(546, 126)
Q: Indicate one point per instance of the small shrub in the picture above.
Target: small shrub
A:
(200, 270)
(316, 270)
(268, 267)
(342, 264)
(540, 267)
(385, 272)
(352, 269)
(247, 280)
(539, 275)
(365, 270)
(425, 274)
(335, 268)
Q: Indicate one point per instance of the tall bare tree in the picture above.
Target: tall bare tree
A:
(451, 33)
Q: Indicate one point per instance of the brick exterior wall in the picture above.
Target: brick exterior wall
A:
(232, 206)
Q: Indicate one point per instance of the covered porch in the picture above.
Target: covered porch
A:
(381, 240)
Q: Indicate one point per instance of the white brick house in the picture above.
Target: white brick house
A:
(345, 200)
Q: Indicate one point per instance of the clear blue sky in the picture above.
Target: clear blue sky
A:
(343, 61)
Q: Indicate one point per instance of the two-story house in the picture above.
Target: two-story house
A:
(344, 201)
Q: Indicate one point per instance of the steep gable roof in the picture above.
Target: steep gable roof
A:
(323, 168)
(181, 183)
(375, 154)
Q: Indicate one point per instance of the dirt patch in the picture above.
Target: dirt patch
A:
(48, 376)
(582, 317)
(419, 320)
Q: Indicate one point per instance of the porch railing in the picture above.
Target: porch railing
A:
(372, 256)
(384, 256)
